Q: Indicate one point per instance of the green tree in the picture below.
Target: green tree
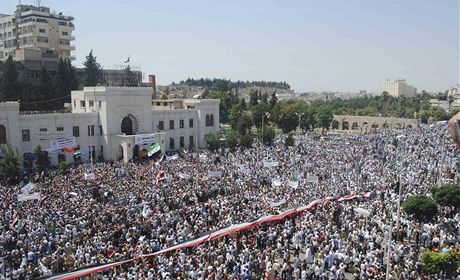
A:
(72, 76)
(63, 168)
(212, 142)
(93, 70)
(9, 162)
(235, 115)
(226, 103)
(42, 161)
(9, 85)
(253, 98)
(246, 140)
(245, 123)
(436, 262)
(231, 139)
(273, 100)
(258, 112)
(243, 105)
(46, 91)
(267, 135)
(287, 118)
(421, 206)
(289, 141)
(448, 195)
(63, 83)
(324, 117)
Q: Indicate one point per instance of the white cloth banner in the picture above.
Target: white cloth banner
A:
(27, 188)
(293, 184)
(172, 157)
(89, 176)
(144, 139)
(243, 168)
(184, 176)
(270, 163)
(62, 143)
(28, 196)
(276, 182)
(214, 174)
(275, 204)
(312, 179)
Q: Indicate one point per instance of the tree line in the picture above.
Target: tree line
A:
(223, 85)
(53, 89)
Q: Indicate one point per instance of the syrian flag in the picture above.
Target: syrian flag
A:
(160, 176)
(126, 61)
(155, 148)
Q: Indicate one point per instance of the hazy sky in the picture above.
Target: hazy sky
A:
(345, 45)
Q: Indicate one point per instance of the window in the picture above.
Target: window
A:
(101, 131)
(210, 120)
(76, 131)
(41, 30)
(64, 42)
(190, 123)
(100, 103)
(82, 103)
(2, 134)
(171, 143)
(190, 140)
(182, 142)
(158, 103)
(90, 130)
(171, 124)
(181, 124)
(60, 128)
(161, 125)
(25, 135)
(91, 103)
(64, 33)
(43, 129)
(75, 104)
(41, 39)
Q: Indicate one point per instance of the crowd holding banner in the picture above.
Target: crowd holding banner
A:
(172, 220)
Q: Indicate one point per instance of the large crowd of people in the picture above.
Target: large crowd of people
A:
(127, 210)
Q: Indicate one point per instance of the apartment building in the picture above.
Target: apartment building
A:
(398, 88)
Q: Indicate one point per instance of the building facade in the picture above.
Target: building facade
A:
(32, 27)
(398, 88)
(111, 122)
(454, 94)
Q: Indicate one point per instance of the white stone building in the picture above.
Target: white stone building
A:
(112, 121)
(398, 88)
(454, 94)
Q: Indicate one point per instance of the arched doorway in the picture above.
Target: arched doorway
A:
(335, 124)
(120, 152)
(355, 126)
(136, 150)
(2, 134)
(345, 126)
(129, 125)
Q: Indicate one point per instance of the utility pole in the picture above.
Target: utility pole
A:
(263, 116)
(389, 249)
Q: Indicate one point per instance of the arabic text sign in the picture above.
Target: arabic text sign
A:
(62, 143)
(144, 139)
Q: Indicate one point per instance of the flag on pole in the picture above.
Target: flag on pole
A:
(295, 176)
(127, 61)
(155, 148)
(160, 176)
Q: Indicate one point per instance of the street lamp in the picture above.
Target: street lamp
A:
(267, 114)
(299, 115)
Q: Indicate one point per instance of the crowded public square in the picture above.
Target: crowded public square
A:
(129, 211)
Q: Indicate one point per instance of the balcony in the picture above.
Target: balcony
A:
(72, 48)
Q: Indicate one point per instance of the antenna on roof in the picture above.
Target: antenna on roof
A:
(38, 3)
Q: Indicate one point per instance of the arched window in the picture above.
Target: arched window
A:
(2, 134)
(127, 126)
(211, 120)
(207, 120)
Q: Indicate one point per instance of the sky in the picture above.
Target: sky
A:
(314, 45)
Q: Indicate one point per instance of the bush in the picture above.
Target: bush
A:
(448, 195)
(267, 135)
(231, 140)
(9, 162)
(421, 206)
(63, 168)
(289, 140)
(246, 140)
(212, 142)
(434, 262)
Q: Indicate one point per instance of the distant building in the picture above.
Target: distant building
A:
(398, 88)
(36, 28)
(454, 94)
(444, 104)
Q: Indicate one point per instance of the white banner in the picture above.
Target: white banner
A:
(215, 174)
(270, 163)
(62, 143)
(144, 139)
(243, 168)
(275, 204)
(172, 157)
(27, 188)
(89, 176)
(28, 196)
(51, 135)
(312, 179)
(293, 184)
(184, 176)
(276, 182)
